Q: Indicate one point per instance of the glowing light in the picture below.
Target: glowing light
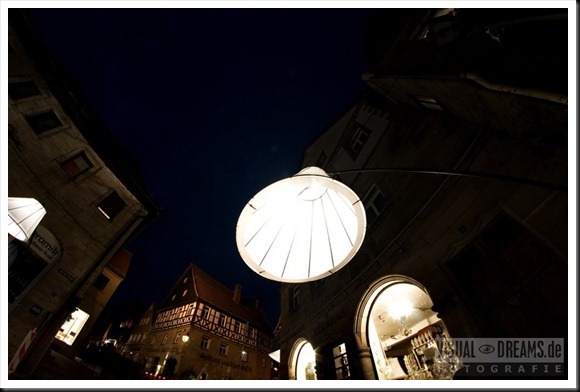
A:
(302, 228)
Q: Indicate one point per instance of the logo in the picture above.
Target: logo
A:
(515, 350)
(486, 349)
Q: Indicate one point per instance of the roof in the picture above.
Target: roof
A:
(196, 285)
(120, 262)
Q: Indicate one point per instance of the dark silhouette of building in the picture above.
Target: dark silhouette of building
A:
(467, 232)
(61, 154)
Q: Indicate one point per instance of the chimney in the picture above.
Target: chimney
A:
(237, 293)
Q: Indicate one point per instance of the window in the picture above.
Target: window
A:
(321, 160)
(43, 122)
(237, 326)
(295, 298)
(244, 356)
(222, 321)
(111, 205)
(428, 102)
(205, 312)
(203, 375)
(375, 202)
(20, 90)
(223, 349)
(101, 282)
(72, 326)
(184, 292)
(165, 339)
(184, 280)
(76, 165)
(358, 140)
(25, 267)
(173, 297)
(341, 362)
(177, 337)
(204, 343)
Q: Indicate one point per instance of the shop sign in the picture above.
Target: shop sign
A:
(45, 245)
(334, 319)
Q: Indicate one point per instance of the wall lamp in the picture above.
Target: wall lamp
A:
(308, 226)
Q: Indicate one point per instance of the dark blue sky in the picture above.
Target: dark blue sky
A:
(213, 105)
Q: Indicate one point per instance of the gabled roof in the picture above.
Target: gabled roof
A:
(120, 262)
(196, 285)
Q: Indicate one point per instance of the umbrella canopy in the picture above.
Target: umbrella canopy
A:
(24, 214)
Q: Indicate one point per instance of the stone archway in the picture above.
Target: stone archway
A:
(302, 361)
(397, 333)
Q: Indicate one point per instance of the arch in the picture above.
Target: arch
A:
(368, 299)
(302, 361)
(392, 317)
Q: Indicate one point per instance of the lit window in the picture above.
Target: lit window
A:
(204, 343)
(20, 90)
(111, 205)
(76, 165)
(358, 140)
(223, 349)
(428, 102)
(43, 122)
(341, 362)
(72, 326)
(244, 356)
(375, 202)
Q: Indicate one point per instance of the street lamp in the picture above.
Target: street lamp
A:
(308, 226)
(185, 338)
(301, 228)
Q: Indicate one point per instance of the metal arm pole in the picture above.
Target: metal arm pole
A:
(460, 173)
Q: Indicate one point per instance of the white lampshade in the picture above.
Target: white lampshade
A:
(24, 214)
(302, 228)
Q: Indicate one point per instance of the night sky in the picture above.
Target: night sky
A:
(213, 105)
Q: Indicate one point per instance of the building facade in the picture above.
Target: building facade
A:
(203, 330)
(60, 154)
(464, 183)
